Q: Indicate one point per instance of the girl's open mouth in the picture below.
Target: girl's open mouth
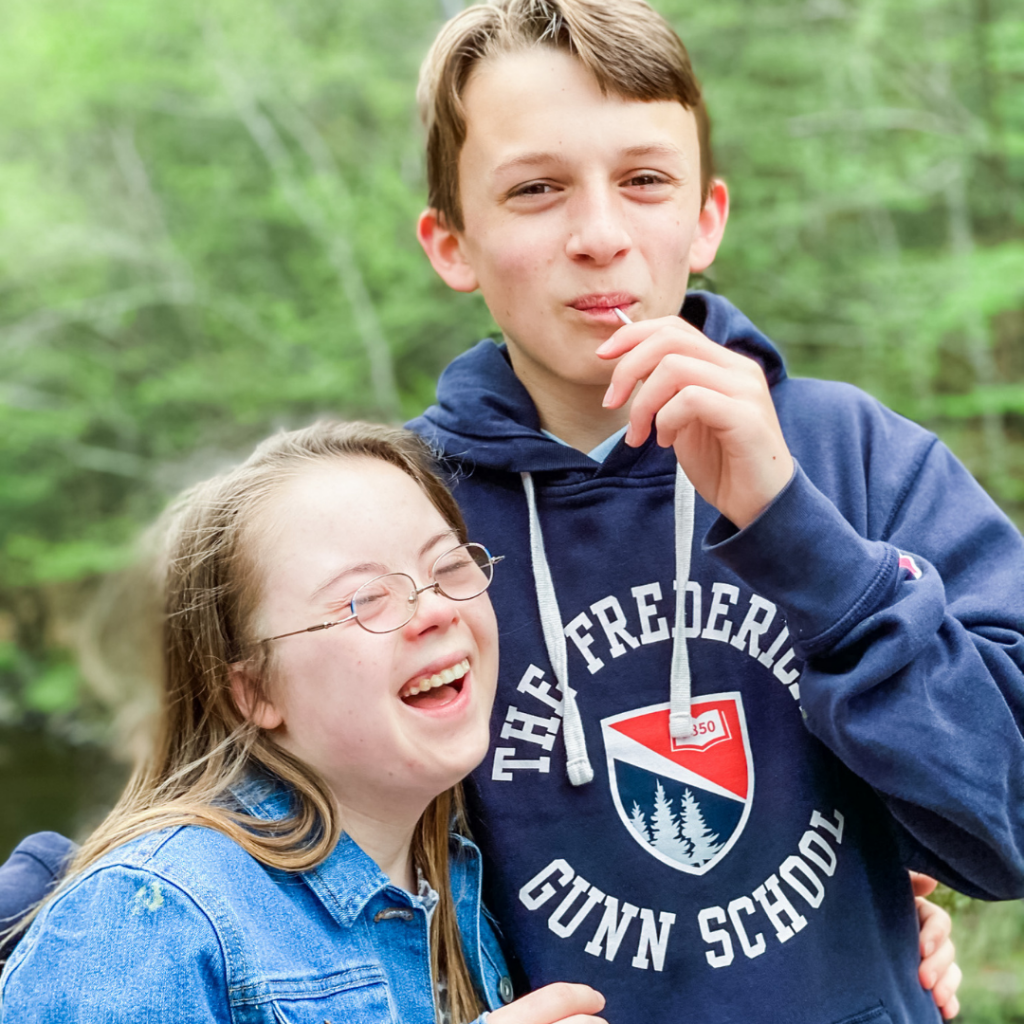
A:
(437, 690)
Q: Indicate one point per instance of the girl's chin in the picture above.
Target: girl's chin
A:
(445, 773)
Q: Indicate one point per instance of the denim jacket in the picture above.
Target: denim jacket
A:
(183, 925)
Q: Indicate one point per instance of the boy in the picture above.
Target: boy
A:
(519, 246)
(835, 688)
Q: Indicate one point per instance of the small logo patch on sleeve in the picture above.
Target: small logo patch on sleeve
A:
(907, 562)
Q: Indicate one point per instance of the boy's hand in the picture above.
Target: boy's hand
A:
(939, 970)
(560, 1003)
(712, 405)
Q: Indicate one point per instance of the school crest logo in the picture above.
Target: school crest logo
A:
(684, 801)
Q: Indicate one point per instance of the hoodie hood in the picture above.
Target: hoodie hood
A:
(483, 408)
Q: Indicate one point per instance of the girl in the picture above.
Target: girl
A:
(285, 855)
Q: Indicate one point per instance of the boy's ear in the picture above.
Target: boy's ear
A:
(261, 713)
(443, 246)
(710, 227)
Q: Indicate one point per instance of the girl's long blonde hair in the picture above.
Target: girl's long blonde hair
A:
(210, 582)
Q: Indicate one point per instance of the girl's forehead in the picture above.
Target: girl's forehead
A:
(353, 507)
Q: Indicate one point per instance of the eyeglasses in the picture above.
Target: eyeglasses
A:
(388, 602)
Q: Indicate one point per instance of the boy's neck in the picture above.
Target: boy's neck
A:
(573, 412)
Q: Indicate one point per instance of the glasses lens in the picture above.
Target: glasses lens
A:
(463, 572)
(385, 603)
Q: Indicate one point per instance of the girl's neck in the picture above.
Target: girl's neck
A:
(388, 843)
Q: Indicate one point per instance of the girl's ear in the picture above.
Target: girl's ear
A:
(710, 227)
(262, 713)
(443, 247)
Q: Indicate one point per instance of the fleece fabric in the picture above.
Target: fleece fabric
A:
(857, 672)
(33, 868)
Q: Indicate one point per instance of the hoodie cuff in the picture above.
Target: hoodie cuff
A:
(802, 554)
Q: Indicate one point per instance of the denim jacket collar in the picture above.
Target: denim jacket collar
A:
(349, 878)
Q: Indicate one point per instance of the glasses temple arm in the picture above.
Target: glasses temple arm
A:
(308, 629)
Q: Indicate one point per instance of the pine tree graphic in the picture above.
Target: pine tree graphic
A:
(692, 827)
(685, 838)
(665, 828)
(639, 823)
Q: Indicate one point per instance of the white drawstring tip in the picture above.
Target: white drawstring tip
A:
(579, 771)
(680, 725)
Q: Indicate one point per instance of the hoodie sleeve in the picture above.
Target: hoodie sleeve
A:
(912, 643)
(27, 876)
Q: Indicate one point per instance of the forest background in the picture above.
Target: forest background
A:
(206, 233)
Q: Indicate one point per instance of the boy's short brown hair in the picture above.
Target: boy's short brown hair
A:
(629, 49)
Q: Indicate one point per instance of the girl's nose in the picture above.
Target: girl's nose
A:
(433, 611)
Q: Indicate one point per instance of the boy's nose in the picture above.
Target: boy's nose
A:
(597, 229)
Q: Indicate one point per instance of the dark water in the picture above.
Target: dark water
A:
(48, 784)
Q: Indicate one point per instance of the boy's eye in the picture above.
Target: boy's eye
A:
(646, 178)
(531, 188)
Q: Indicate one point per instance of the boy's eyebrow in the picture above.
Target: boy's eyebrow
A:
(654, 149)
(378, 568)
(527, 160)
(532, 159)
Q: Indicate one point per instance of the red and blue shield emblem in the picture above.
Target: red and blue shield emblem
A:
(684, 801)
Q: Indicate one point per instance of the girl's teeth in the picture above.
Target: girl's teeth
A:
(441, 678)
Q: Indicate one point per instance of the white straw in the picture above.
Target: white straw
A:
(622, 316)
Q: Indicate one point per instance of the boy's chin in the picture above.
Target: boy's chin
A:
(582, 368)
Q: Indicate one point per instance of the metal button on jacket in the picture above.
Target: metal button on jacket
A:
(505, 989)
(392, 914)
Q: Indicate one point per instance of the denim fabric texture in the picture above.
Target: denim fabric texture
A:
(183, 925)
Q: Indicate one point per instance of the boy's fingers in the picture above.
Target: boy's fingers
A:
(653, 348)
(934, 968)
(936, 925)
(944, 992)
(951, 1008)
(712, 409)
(939, 970)
(630, 335)
(673, 374)
(559, 1003)
(923, 885)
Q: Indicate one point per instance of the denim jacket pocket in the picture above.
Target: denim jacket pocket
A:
(356, 994)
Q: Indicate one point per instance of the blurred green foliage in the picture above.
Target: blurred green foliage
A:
(206, 232)
(990, 949)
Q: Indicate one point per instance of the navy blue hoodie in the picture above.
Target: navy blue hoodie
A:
(855, 657)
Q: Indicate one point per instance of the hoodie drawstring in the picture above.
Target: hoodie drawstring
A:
(680, 719)
(577, 761)
(578, 765)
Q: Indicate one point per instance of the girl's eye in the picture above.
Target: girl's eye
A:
(343, 603)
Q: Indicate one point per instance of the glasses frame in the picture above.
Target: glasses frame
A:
(414, 595)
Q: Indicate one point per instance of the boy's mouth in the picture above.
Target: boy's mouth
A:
(434, 691)
(603, 306)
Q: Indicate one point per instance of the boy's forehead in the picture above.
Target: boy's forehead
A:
(540, 104)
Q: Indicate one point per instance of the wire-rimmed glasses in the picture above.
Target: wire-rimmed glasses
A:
(388, 602)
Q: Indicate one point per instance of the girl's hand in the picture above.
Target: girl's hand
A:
(711, 404)
(560, 1003)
